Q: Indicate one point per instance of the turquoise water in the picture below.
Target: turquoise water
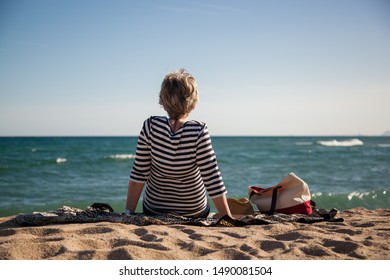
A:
(45, 173)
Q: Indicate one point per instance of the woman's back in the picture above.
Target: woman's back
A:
(177, 166)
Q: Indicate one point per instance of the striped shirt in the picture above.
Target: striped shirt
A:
(179, 168)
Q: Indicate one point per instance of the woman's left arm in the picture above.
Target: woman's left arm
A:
(222, 206)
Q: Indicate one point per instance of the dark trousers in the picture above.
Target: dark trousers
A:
(204, 213)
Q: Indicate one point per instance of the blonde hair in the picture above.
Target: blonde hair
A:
(178, 94)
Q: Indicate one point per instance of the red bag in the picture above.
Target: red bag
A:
(290, 196)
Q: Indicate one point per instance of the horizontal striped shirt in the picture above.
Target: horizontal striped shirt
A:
(179, 168)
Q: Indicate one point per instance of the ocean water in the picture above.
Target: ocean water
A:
(45, 173)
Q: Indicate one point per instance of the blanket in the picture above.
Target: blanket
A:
(99, 212)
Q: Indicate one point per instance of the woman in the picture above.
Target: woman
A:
(175, 158)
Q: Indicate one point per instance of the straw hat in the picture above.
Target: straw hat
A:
(240, 206)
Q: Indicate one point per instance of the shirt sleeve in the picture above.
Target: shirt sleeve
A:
(208, 166)
(141, 166)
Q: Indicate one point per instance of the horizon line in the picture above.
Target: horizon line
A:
(215, 135)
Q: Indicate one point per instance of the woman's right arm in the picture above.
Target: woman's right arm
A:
(133, 194)
(141, 168)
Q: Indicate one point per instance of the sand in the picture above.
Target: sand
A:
(364, 235)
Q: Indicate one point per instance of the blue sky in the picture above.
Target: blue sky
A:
(263, 67)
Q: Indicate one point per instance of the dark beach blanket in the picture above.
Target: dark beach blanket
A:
(104, 213)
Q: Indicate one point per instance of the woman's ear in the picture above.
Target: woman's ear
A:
(194, 105)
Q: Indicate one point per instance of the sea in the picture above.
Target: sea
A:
(45, 173)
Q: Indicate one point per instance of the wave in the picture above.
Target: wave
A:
(374, 199)
(344, 143)
(122, 156)
(61, 160)
(384, 145)
(303, 143)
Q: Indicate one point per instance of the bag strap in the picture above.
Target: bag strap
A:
(252, 193)
(274, 198)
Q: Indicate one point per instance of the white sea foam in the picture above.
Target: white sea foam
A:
(60, 160)
(357, 195)
(316, 194)
(122, 156)
(384, 145)
(344, 143)
(303, 143)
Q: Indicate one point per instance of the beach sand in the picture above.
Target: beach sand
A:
(364, 234)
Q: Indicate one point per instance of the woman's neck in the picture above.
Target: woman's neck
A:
(175, 124)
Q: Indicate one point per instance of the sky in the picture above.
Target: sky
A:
(265, 68)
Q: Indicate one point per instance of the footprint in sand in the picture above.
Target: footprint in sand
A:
(315, 250)
(364, 225)
(192, 234)
(43, 231)
(234, 254)
(197, 249)
(48, 251)
(249, 250)
(127, 242)
(51, 239)
(7, 232)
(234, 235)
(348, 231)
(341, 247)
(146, 236)
(292, 236)
(46, 234)
(271, 245)
(119, 254)
(86, 255)
(140, 231)
(95, 230)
